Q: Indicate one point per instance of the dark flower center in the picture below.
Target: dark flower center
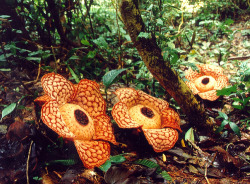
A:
(81, 117)
(205, 81)
(147, 112)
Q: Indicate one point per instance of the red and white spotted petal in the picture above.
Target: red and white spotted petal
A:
(156, 103)
(128, 96)
(103, 129)
(93, 153)
(221, 82)
(209, 95)
(170, 119)
(58, 88)
(161, 139)
(42, 99)
(89, 97)
(192, 86)
(191, 75)
(51, 116)
(211, 70)
(121, 116)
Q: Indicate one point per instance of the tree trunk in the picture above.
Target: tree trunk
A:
(160, 69)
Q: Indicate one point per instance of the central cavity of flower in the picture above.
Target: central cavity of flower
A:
(78, 121)
(147, 112)
(81, 117)
(205, 83)
(146, 116)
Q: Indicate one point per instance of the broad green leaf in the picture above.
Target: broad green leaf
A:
(223, 124)
(227, 91)
(109, 77)
(234, 127)
(7, 110)
(104, 167)
(117, 159)
(148, 163)
(222, 115)
(166, 176)
(74, 75)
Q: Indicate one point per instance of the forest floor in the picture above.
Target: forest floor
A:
(25, 139)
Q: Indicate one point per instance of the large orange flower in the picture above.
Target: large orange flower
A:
(78, 112)
(205, 83)
(137, 109)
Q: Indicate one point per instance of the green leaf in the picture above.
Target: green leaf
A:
(166, 176)
(74, 75)
(85, 42)
(235, 128)
(109, 77)
(7, 110)
(67, 162)
(222, 115)
(104, 167)
(117, 159)
(223, 124)
(189, 135)
(113, 159)
(144, 35)
(148, 163)
(227, 91)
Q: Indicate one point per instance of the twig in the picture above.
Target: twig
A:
(27, 163)
(239, 58)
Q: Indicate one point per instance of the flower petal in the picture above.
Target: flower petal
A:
(221, 82)
(156, 103)
(170, 119)
(121, 116)
(193, 88)
(51, 116)
(209, 95)
(161, 139)
(211, 70)
(191, 75)
(93, 153)
(89, 97)
(103, 129)
(58, 88)
(127, 95)
(42, 99)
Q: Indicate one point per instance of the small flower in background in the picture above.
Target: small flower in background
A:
(158, 122)
(207, 81)
(78, 112)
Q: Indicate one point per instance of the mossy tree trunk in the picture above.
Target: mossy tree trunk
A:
(160, 69)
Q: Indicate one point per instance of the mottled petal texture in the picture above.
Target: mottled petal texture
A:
(58, 88)
(122, 118)
(88, 96)
(52, 118)
(103, 129)
(161, 139)
(93, 153)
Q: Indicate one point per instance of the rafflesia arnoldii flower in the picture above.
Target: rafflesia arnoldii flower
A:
(78, 112)
(153, 116)
(207, 81)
